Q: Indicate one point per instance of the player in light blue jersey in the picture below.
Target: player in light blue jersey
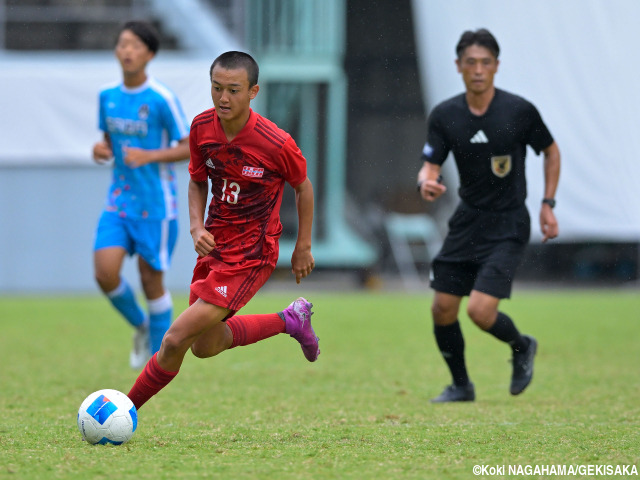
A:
(145, 131)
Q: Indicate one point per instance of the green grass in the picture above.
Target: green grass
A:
(360, 412)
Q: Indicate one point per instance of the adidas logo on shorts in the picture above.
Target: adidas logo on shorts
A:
(222, 291)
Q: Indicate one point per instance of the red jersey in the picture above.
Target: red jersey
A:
(247, 180)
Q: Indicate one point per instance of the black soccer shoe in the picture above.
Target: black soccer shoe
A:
(456, 393)
(523, 367)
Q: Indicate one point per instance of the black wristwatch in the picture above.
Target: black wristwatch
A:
(549, 201)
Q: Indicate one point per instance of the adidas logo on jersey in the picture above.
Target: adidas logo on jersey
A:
(210, 164)
(479, 137)
(222, 291)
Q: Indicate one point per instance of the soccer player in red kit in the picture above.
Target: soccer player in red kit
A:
(247, 158)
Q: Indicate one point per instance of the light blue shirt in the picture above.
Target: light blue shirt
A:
(150, 117)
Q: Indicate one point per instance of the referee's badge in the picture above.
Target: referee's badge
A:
(501, 166)
(427, 150)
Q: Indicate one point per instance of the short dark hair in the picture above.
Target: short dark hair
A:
(233, 59)
(145, 32)
(481, 37)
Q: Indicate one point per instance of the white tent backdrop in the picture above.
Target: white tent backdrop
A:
(576, 61)
(50, 101)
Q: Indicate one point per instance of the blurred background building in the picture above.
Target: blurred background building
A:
(352, 81)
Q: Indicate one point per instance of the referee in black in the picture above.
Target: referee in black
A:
(488, 130)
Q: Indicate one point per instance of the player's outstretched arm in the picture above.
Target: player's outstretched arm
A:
(136, 157)
(548, 222)
(302, 260)
(203, 241)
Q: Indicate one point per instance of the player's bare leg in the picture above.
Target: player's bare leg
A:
(201, 329)
(187, 328)
(152, 280)
(482, 309)
(107, 265)
(165, 364)
(213, 341)
(444, 309)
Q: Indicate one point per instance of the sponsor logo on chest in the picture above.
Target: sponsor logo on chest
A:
(127, 126)
(253, 172)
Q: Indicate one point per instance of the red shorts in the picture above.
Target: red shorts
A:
(229, 285)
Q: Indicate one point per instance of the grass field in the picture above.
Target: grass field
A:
(360, 412)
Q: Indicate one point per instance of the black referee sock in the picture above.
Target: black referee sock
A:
(451, 344)
(504, 329)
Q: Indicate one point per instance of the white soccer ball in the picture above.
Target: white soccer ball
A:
(107, 416)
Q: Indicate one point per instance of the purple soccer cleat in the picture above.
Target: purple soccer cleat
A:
(297, 317)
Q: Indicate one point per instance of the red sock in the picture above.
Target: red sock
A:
(248, 329)
(151, 380)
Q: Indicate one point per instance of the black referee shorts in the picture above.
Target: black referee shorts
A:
(481, 252)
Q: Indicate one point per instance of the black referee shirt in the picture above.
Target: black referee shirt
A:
(489, 150)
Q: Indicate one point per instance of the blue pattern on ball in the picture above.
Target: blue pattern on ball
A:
(101, 409)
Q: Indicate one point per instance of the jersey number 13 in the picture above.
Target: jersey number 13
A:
(230, 192)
